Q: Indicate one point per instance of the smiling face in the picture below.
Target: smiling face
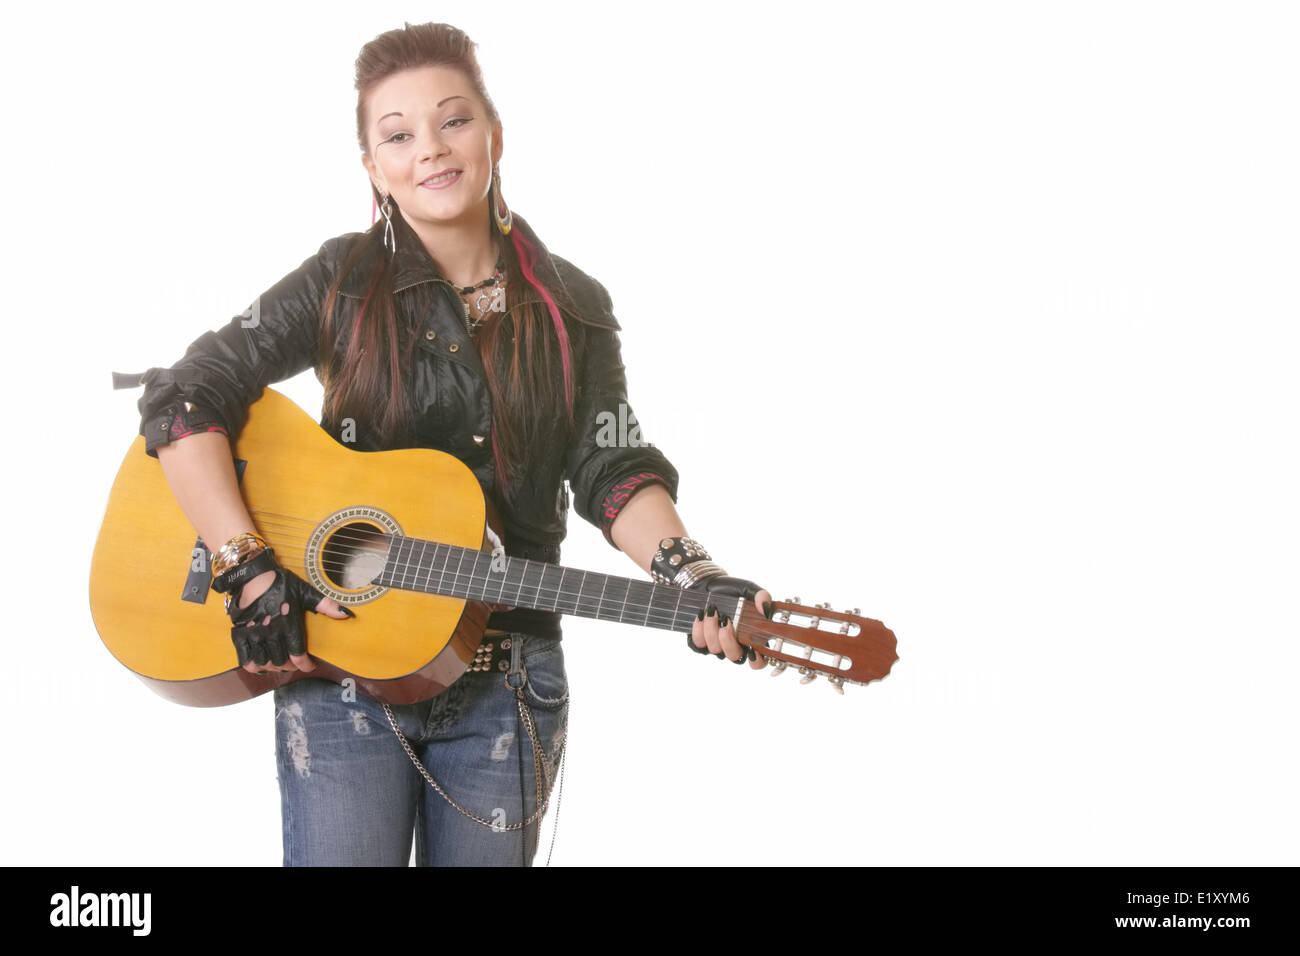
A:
(424, 122)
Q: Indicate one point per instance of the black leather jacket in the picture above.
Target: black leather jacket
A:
(224, 371)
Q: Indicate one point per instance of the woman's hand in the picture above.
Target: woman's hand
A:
(714, 633)
(261, 648)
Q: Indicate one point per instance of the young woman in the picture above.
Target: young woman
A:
(448, 325)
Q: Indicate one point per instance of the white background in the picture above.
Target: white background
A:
(989, 315)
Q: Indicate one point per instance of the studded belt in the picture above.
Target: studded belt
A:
(492, 655)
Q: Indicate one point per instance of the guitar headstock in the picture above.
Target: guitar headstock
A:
(842, 645)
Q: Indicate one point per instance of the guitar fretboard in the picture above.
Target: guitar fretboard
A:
(434, 568)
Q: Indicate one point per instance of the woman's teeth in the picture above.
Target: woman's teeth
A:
(444, 178)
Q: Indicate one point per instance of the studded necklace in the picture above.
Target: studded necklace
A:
(491, 296)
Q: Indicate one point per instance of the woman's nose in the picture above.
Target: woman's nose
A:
(431, 145)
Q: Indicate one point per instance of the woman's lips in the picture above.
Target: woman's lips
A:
(442, 183)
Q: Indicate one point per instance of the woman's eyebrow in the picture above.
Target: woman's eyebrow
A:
(436, 105)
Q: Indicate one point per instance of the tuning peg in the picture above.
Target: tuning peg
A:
(779, 668)
(837, 683)
(809, 675)
(839, 658)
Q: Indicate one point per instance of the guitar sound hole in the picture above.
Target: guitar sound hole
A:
(354, 555)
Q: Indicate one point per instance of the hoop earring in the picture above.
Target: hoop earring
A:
(500, 212)
(390, 240)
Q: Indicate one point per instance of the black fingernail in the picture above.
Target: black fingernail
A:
(722, 620)
(721, 656)
(713, 612)
(699, 615)
(767, 609)
(347, 611)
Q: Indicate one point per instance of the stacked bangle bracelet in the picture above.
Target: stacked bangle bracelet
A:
(682, 562)
(236, 551)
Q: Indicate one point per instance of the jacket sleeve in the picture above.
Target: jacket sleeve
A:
(608, 459)
(225, 371)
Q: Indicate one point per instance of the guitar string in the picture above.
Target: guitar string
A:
(846, 664)
(690, 601)
(406, 566)
(469, 579)
(606, 608)
(652, 611)
(539, 590)
(672, 620)
(473, 579)
(668, 620)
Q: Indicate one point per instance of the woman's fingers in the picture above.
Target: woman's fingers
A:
(711, 629)
(709, 632)
(332, 608)
(761, 598)
(727, 639)
(697, 632)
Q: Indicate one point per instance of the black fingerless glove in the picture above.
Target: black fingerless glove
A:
(274, 642)
(723, 590)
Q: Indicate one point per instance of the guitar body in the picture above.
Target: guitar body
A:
(322, 507)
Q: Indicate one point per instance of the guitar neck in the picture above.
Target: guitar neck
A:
(435, 568)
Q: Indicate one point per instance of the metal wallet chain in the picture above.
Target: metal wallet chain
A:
(541, 764)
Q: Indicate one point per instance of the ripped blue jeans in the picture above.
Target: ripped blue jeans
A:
(351, 796)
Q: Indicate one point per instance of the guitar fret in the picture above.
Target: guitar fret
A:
(407, 556)
(428, 577)
(577, 606)
(419, 563)
(456, 575)
(505, 576)
(413, 562)
(481, 587)
(390, 567)
(468, 583)
(442, 572)
(402, 543)
(472, 584)
(535, 598)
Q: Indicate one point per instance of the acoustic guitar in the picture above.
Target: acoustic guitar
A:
(408, 540)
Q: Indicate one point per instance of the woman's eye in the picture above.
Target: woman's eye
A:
(454, 123)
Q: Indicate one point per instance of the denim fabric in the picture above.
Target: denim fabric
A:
(350, 795)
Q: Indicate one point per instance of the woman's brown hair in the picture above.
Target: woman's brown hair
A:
(525, 354)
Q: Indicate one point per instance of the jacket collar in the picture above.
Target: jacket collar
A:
(412, 265)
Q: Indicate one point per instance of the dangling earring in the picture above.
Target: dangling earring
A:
(390, 240)
(499, 211)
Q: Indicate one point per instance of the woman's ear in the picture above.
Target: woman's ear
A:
(376, 180)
